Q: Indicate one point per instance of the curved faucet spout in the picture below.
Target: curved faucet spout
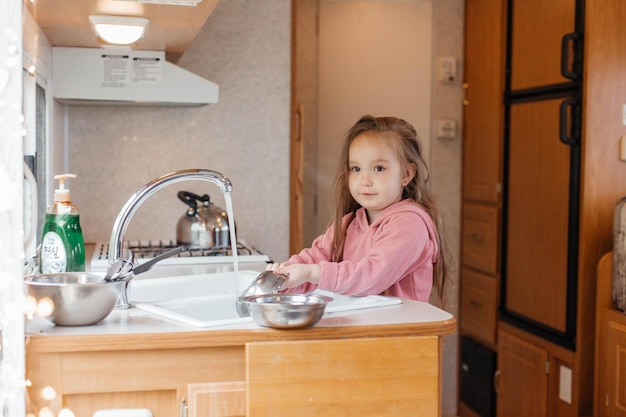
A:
(116, 242)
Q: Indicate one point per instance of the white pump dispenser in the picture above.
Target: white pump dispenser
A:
(63, 194)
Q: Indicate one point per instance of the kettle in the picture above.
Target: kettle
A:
(204, 225)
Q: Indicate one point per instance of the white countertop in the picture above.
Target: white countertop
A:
(135, 321)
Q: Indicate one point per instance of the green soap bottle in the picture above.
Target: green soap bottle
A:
(62, 243)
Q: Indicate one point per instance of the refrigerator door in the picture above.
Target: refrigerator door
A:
(539, 228)
(541, 169)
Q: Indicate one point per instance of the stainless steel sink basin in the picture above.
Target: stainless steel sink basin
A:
(208, 300)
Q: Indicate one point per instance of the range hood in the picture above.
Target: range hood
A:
(114, 76)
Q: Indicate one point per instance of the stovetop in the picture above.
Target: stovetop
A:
(147, 249)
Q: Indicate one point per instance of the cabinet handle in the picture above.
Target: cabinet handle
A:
(183, 407)
(569, 136)
(299, 122)
(566, 72)
(496, 381)
(476, 304)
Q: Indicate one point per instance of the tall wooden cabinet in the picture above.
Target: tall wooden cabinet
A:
(482, 203)
(537, 373)
(482, 147)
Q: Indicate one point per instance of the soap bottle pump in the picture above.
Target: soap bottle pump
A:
(62, 244)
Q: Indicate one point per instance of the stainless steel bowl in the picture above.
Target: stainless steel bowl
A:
(266, 283)
(79, 298)
(287, 311)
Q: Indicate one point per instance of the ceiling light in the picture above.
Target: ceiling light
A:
(168, 2)
(119, 30)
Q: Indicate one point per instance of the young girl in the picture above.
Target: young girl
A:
(386, 236)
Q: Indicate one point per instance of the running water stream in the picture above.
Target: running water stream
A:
(233, 238)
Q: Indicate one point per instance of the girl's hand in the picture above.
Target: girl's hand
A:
(297, 274)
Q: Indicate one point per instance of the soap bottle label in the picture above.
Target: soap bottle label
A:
(53, 256)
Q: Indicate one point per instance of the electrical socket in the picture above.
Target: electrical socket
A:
(565, 384)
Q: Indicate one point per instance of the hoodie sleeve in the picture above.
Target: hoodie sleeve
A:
(318, 252)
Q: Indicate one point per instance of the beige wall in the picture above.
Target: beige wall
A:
(375, 58)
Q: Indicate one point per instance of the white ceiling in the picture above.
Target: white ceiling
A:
(172, 26)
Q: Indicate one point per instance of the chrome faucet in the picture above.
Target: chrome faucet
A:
(116, 243)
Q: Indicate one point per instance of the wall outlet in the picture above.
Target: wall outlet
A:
(447, 69)
(565, 384)
(446, 128)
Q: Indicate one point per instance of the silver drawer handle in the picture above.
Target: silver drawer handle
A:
(183, 407)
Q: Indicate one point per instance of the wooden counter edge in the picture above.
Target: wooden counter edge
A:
(223, 338)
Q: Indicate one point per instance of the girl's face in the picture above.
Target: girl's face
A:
(377, 176)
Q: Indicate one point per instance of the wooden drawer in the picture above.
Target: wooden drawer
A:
(480, 238)
(479, 305)
(368, 377)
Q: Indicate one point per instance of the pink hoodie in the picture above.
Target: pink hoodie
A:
(392, 256)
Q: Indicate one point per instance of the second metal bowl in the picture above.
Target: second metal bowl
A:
(287, 311)
(77, 298)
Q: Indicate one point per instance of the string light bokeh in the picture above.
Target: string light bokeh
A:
(12, 363)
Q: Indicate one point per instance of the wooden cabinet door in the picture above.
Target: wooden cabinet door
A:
(481, 225)
(522, 382)
(479, 306)
(392, 376)
(537, 219)
(303, 142)
(538, 27)
(615, 368)
(217, 399)
(483, 112)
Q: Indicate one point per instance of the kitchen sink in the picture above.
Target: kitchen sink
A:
(208, 300)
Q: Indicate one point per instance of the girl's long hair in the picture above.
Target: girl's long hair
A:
(404, 140)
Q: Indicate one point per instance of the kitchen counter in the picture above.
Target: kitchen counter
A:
(391, 355)
(150, 331)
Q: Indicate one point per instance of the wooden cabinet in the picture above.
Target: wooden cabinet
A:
(545, 276)
(535, 377)
(158, 380)
(483, 114)
(610, 388)
(521, 380)
(482, 148)
(479, 303)
(483, 124)
(612, 367)
(376, 374)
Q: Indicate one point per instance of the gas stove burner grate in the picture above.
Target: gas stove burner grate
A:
(150, 250)
(147, 249)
